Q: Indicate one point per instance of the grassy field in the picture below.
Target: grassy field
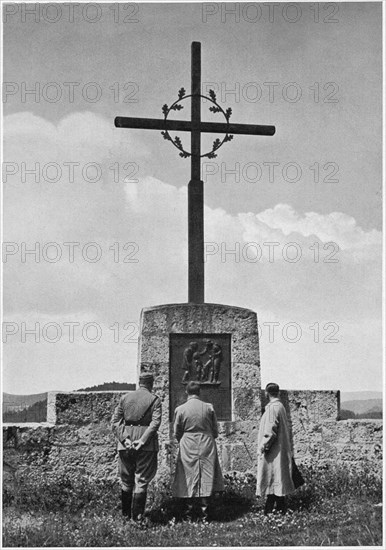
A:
(337, 522)
(336, 507)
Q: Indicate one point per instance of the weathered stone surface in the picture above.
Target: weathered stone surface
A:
(154, 348)
(246, 375)
(51, 407)
(233, 432)
(365, 431)
(246, 402)
(156, 320)
(243, 457)
(85, 407)
(245, 349)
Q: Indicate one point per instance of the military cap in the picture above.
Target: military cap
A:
(146, 378)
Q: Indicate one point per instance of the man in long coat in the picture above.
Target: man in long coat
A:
(198, 473)
(135, 424)
(274, 470)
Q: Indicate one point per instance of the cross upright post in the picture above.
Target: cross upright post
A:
(196, 189)
(196, 186)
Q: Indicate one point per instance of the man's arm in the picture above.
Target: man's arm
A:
(155, 423)
(214, 423)
(271, 428)
(218, 352)
(177, 426)
(117, 423)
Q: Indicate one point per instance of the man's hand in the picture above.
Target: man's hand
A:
(128, 443)
(137, 444)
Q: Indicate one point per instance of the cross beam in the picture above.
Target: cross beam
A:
(196, 187)
(186, 126)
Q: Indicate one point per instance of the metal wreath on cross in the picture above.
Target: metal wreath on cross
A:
(176, 106)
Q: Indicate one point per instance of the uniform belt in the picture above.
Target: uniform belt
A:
(197, 432)
(133, 423)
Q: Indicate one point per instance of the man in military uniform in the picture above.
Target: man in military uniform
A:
(135, 423)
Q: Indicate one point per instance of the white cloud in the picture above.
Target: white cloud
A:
(336, 226)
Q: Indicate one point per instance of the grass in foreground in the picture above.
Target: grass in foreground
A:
(66, 508)
(335, 521)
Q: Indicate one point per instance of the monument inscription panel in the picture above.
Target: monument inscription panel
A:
(205, 358)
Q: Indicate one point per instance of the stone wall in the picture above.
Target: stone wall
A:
(79, 436)
(78, 433)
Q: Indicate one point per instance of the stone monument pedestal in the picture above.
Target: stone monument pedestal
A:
(217, 345)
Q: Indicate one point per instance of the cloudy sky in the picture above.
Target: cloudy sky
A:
(106, 209)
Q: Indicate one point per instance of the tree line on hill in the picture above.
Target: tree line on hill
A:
(110, 386)
(37, 412)
(345, 414)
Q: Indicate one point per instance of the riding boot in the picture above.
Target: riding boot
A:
(126, 497)
(269, 504)
(139, 502)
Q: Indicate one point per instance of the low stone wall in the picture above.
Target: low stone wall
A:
(79, 435)
(319, 436)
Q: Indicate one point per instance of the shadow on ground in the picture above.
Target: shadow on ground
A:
(222, 508)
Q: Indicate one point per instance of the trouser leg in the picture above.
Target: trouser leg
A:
(127, 472)
(146, 468)
(139, 503)
(281, 505)
(269, 504)
(126, 498)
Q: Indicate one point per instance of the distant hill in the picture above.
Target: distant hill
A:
(13, 402)
(359, 395)
(110, 386)
(374, 409)
(362, 406)
(370, 415)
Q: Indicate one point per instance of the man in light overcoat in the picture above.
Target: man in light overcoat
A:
(198, 472)
(135, 424)
(274, 469)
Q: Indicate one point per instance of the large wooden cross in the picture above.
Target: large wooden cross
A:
(195, 188)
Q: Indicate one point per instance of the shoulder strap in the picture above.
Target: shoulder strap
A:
(148, 409)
